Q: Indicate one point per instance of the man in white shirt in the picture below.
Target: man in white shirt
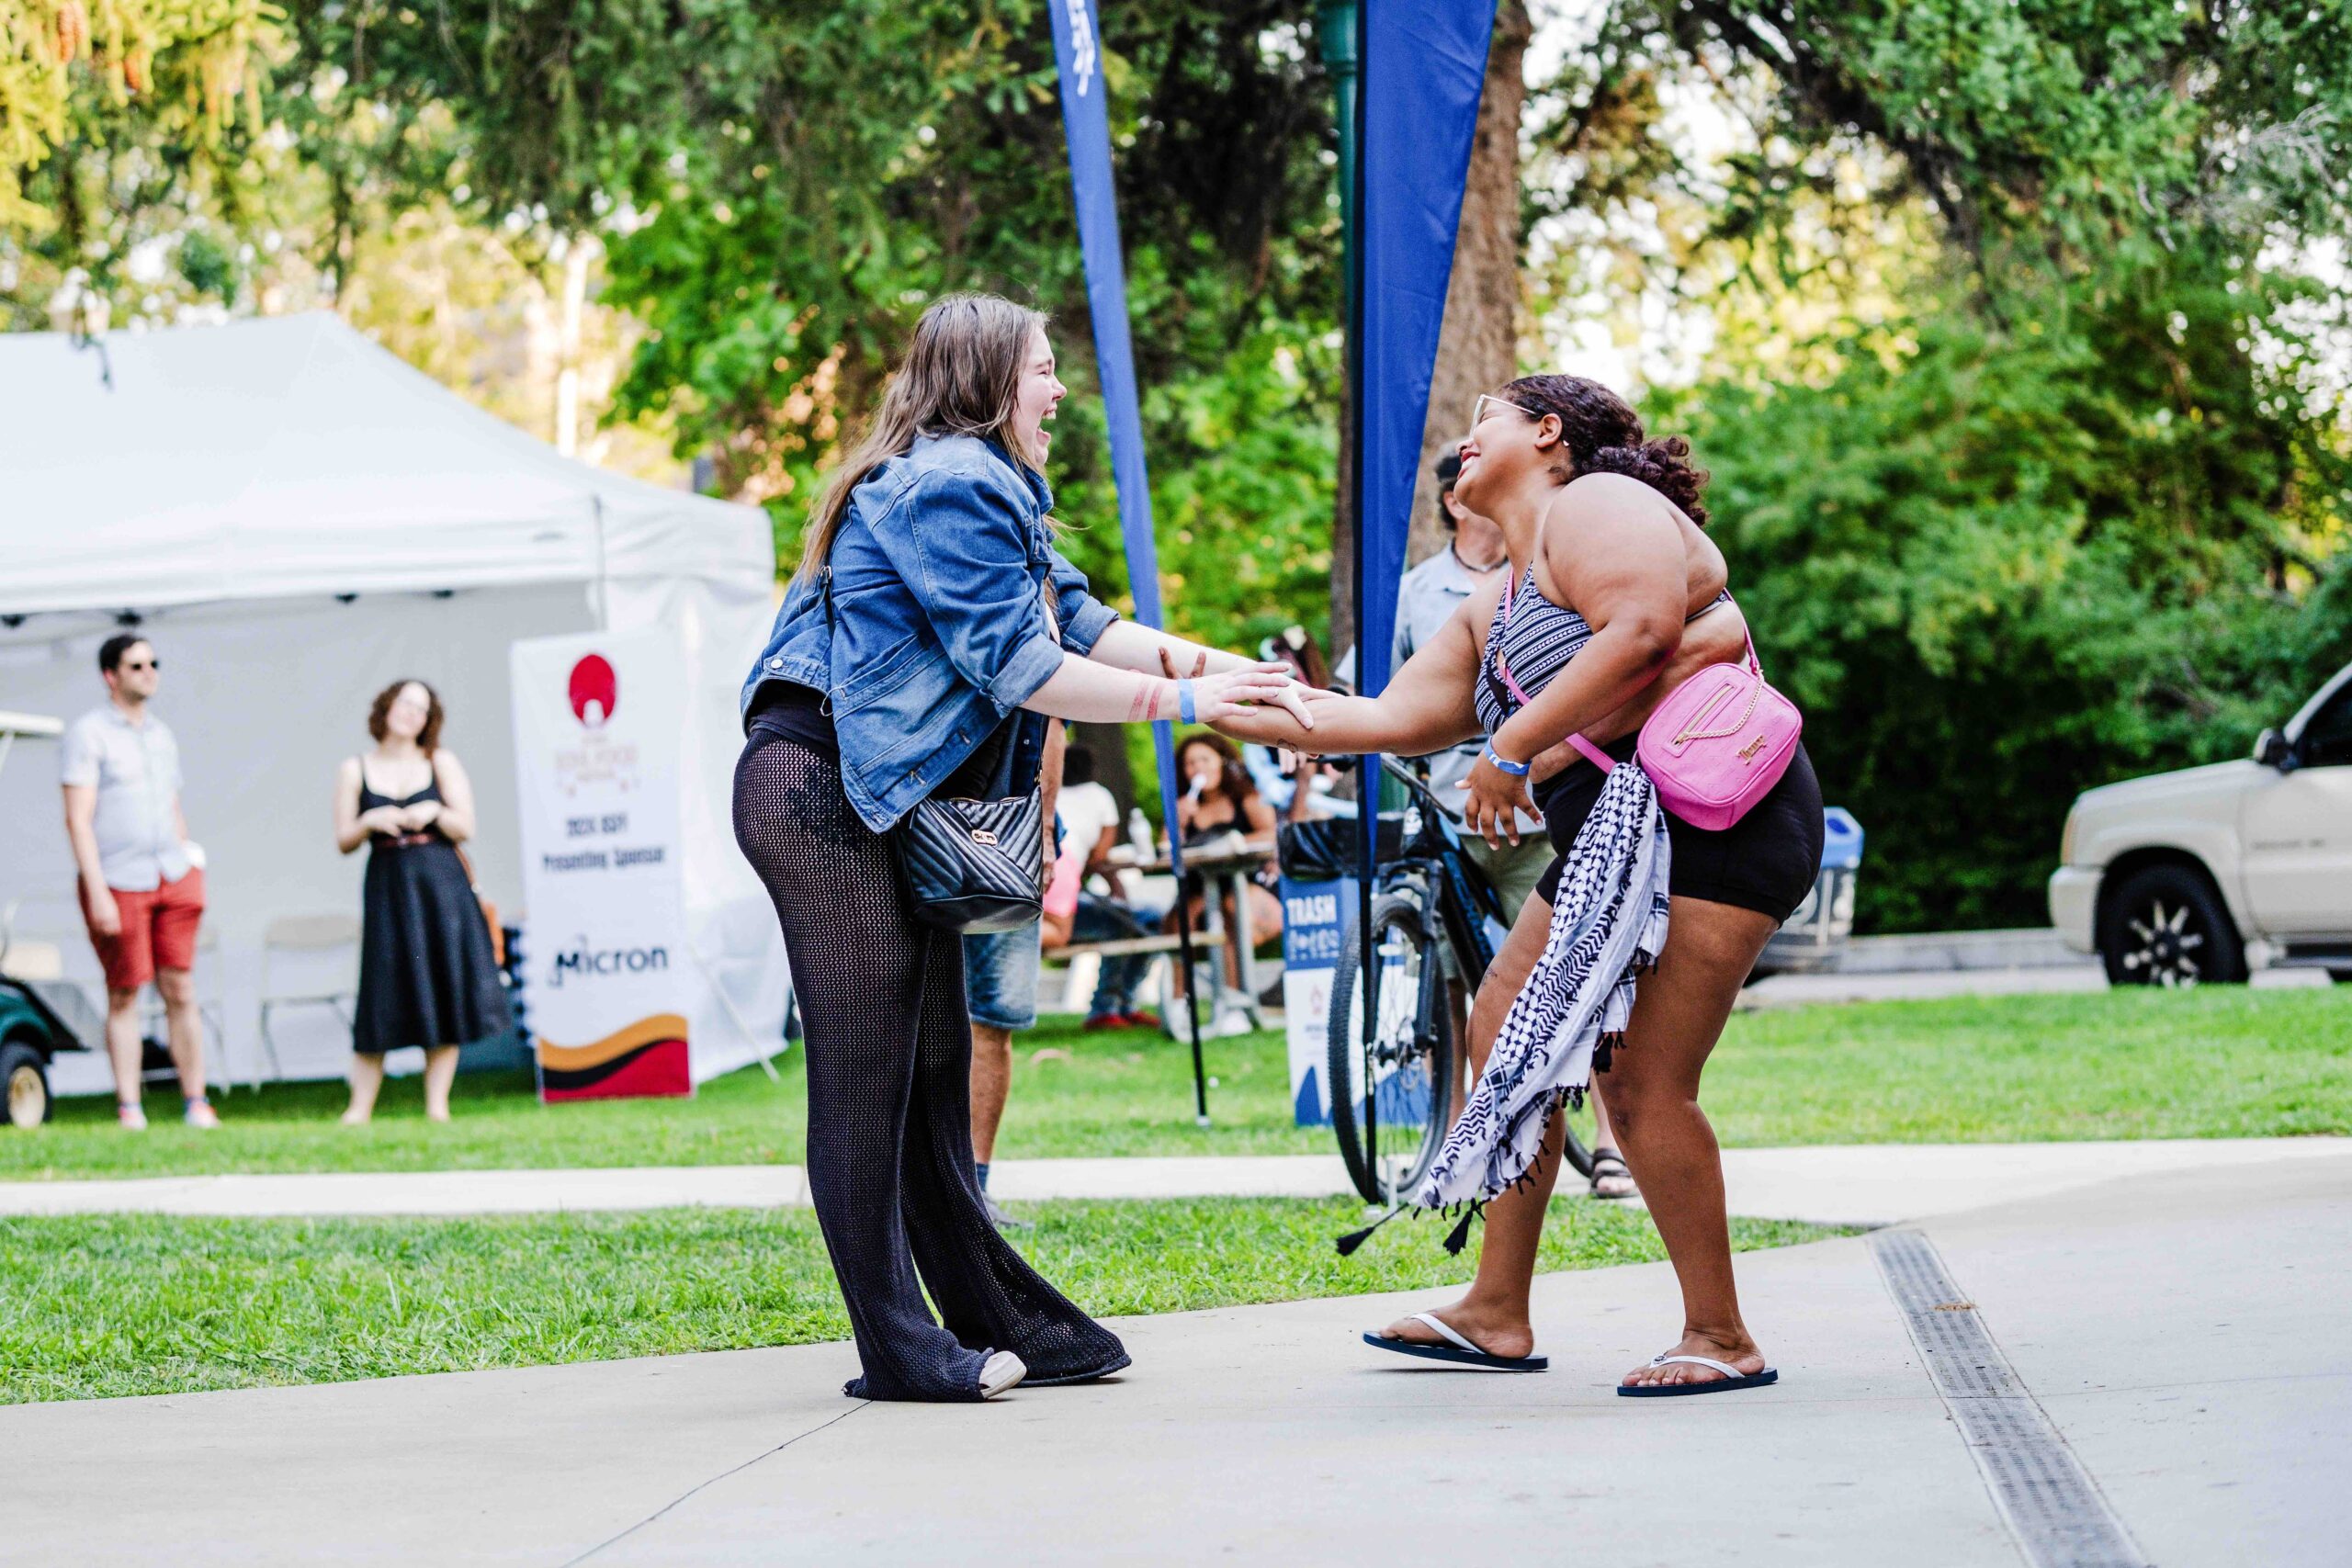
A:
(141, 882)
(1090, 813)
(1427, 599)
(1090, 818)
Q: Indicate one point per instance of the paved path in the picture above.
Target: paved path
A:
(2178, 1338)
(1862, 1184)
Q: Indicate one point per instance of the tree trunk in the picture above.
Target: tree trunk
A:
(1478, 350)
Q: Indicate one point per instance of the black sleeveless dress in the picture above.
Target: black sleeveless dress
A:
(427, 975)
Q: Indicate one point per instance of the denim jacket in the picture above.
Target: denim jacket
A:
(938, 628)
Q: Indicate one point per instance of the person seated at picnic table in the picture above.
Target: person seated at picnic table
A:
(1219, 801)
(1075, 913)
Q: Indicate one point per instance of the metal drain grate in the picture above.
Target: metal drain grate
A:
(2049, 1501)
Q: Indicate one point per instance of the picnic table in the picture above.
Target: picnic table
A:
(1226, 865)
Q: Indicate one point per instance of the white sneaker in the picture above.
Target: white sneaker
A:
(999, 1372)
(132, 1118)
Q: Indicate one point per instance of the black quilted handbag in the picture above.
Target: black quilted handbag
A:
(973, 865)
(969, 862)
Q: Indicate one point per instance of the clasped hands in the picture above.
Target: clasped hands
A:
(1232, 698)
(393, 820)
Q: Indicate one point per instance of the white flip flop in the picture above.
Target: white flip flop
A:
(1732, 1378)
(1457, 1351)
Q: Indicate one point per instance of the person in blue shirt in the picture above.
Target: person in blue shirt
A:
(933, 630)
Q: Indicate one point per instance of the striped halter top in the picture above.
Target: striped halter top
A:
(1529, 643)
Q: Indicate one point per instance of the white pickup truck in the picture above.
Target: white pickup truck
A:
(2208, 874)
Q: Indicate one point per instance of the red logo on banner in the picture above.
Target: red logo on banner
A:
(594, 689)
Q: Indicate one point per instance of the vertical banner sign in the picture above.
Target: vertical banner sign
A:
(1423, 69)
(1086, 124)
(598, 740)
(1314, 920)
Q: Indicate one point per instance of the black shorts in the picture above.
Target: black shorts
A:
(1766, 860)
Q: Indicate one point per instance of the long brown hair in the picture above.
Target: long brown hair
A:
(1234, 781)
(426, 739)
(962, 377)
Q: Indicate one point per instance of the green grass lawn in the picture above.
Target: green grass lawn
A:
(110, 1306)
(105, 1305)
(2212, 1063)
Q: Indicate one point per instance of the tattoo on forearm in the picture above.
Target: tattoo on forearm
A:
(1143, 705)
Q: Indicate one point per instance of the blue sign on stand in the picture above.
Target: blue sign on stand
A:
(1315, 917)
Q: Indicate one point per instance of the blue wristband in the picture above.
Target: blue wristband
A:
(1516, 769)
(1185, 705)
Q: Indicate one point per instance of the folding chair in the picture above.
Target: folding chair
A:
(304, 934)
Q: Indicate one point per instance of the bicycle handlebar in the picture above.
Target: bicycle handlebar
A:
(1414, 782)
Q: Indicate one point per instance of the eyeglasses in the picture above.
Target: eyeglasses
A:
(1478, 410)
(135, 666)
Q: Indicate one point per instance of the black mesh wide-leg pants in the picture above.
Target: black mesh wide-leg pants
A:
(890, 1104)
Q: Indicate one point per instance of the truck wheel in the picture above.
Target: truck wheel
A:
(24, 1086)
(2167, 927)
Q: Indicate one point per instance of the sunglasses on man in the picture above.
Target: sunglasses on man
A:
(135, 665)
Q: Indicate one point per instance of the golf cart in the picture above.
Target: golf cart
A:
(35, 1003)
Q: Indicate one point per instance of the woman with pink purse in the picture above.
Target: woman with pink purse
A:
(1612, 675)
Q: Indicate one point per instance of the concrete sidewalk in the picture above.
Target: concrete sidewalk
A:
(2183, 1332)
(1831, 1184)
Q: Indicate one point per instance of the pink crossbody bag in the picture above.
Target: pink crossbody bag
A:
(1714, 748)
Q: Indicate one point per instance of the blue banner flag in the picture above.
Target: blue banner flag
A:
(1087, 124)
(1424, 66)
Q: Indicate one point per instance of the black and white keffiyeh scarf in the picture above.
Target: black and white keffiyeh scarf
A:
(1608, 929)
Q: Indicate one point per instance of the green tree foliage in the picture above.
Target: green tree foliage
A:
(871, 157)
(2073, 506)
(187, 64)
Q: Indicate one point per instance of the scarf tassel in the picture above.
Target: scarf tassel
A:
(1459, 1237)
(1353, 1239)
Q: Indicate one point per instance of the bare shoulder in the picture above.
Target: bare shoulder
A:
(445, 762)
(347, 771)
(1616, 499)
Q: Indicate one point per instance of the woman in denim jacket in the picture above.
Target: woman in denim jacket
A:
(952, 618)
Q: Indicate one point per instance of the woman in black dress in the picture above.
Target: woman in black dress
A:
(428, 974)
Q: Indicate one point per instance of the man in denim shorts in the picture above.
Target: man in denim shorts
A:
(1000, 994)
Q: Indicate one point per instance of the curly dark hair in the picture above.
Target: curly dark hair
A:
(428, 738)
(1604, 435)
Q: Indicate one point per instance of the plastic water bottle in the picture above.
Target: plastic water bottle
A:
(1139, 831)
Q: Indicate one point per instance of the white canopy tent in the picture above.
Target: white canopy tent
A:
(295, 518)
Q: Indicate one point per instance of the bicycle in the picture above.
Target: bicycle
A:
(1436, 920)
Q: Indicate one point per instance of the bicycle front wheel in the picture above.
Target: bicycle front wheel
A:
(1392, 1095)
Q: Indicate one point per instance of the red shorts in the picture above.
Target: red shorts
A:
(158, 931)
